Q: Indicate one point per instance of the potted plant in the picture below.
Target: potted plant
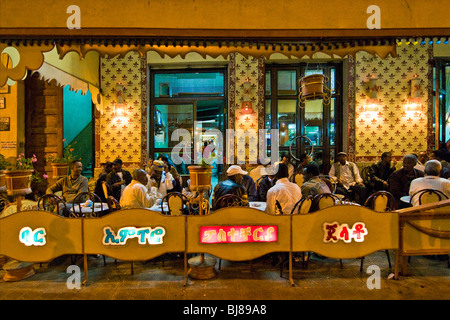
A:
(60, 165)
(200, 175)
(18, 176)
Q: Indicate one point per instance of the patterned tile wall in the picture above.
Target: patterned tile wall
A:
(391, 128)
(123, 136)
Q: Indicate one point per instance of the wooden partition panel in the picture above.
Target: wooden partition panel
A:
(134, 234)
(38, 236)
(238, 233)
(344, 232)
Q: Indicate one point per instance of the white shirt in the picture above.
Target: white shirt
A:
(287, 194)
(429, 182)
(136, 195)
(346, 175)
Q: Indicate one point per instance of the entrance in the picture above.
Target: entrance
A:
(191, 100)
(318, 120)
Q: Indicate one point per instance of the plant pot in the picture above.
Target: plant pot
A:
(18, 182)
(60, 170)
(312, 85)
(2, 181)
(200, 177)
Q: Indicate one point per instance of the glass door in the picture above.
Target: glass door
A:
(193, 101)
(317, 119)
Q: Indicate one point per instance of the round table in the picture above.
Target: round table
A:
(157, 207)
(98, 207)
(259, 205)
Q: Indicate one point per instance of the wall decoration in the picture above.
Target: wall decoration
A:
(392, 128)
(122, 137)
(2, 103)
(5, 123)
(4, 89)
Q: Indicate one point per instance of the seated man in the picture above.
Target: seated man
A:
(71, 185)
(286, 159)
(284, 194)
(136, 195)
(264, 185)
(161, 178)
(350, 184)
(118, 179)
(431, 180)
(380, 172)
(439, 155)
(400, 180)
(233, 185)
(250, 186)
(313, 185)
(107, 168)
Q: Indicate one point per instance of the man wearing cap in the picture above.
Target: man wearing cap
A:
(284, 193)
(118, 179)
(350, 184)
(161, 178)
(233, 185)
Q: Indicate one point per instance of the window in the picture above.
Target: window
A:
(318, 119)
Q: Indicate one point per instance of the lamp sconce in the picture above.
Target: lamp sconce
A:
(372, 104)
(246, 107)
(120, 106)
(414, 102)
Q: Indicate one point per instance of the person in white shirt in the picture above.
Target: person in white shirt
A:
(350, 183)
(161, 178)
(284, 192)
(430, 181)
(136, 195)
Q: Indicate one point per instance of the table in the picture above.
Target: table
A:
(98, 207)
(157, 207)
(259, 205)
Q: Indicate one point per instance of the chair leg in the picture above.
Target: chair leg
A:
(220, 264)
(340, 262)
(307, 260)
(389, 259)
(448, 261)
(104, 261)
(361, 266)
(132, 269)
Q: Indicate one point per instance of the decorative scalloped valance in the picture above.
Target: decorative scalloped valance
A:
(215, 50)
(32, 58)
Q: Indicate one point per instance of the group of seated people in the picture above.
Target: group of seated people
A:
(281, 189)
(137, 190)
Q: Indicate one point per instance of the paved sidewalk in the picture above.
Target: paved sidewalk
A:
(427, 278)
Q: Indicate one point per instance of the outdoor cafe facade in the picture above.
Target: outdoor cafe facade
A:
(119, 85)
(116, 79)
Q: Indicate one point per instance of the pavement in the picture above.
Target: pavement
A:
(427, 278)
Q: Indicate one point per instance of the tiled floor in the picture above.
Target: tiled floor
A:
(427, 278)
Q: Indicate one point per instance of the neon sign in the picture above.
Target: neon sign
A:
(32, 238)
(144, 235)
(333, 232)
(238, 234)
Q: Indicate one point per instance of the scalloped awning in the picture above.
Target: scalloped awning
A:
(32, 58)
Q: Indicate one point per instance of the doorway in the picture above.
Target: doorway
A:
(318, 120)
(195, 102)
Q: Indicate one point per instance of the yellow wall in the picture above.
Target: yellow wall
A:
(225, 14)
(12, 142)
